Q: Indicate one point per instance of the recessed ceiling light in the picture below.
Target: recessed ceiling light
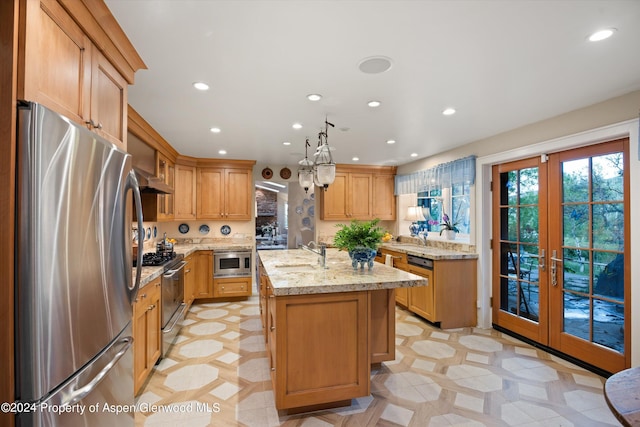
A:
(601, 34)
(373, 104)
(314, 97)
(286, 143)
(297, 126)
(414, 154)
(355, 159)
(201, 86)
(215, 130)
(391, 141)
(222, 152)
(449, 111)
(375, 64)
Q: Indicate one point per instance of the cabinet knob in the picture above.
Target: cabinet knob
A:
(273, 369)
(151, 307)
(273, 328)
(222, 287)
(143, 296)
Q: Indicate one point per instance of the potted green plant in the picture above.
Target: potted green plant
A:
(361, 239)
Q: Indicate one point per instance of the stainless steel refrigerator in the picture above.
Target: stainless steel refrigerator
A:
(74, 280)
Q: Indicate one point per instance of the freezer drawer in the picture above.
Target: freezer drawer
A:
(92, 396)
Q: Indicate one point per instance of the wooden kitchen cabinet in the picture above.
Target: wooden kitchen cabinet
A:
(399, 261)
(384, 199)
(420, 299)
(203, 277)
(63, 64)
(224, 193)
(225, 287)
(349, 197)
(330, 366)
(449, 300)
(359, 192)
(189, 281)
(382, 343)
(147, 333)
(165, 170)
(185, 192)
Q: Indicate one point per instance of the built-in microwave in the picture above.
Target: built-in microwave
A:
(231, 263)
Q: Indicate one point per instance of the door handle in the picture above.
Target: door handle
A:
(554, 267)
(541, 261)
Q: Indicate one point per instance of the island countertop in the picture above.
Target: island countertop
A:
(297, 272)
(430, 252)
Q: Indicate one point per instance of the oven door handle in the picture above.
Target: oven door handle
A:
(169, 274)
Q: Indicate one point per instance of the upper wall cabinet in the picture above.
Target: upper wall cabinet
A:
(75, 59)
(359, 192)
(185, 195)
(225, 191)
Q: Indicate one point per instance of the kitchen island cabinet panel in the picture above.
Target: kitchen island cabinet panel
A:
(333, 364)
(381, 326)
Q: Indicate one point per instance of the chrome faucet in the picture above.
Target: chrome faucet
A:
(321, 251)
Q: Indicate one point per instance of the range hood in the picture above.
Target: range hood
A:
(151, 184)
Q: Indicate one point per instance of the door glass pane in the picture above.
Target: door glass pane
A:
(575, 181)
(576, 270)
(529, 301)
(608, 324)
(509, 263)
(529, 263)
(608, 274)
(529, 186)
(608, 226)
(511, 184)
(509, 218)
(576, 226)
(529, 224)
(508, 294)
(607, 177)
(576, 315)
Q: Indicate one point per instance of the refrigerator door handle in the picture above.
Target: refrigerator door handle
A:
(77, 395)
(132, 183)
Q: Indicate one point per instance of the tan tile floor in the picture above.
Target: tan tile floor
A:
(217, 375)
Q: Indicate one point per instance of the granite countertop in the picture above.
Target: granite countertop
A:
(430, 252)
(297, 272)
(150, 273)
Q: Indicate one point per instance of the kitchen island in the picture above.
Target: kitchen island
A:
(324, 327)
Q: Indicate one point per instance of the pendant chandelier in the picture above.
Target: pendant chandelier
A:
(322, 171)
(305, 171)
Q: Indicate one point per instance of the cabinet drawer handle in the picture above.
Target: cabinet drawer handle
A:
(143, 296)
(151, 307)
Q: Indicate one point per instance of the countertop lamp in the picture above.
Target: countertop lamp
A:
(305, 171)
(324, 168)
(414, 214)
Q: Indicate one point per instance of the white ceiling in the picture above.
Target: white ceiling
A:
(500, 64)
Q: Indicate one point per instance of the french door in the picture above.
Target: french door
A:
(560, 235)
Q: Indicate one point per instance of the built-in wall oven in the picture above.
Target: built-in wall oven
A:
(236, 263)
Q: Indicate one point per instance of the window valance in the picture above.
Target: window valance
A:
(461, 171)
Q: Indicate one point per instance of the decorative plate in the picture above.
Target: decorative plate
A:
(285, 173)
(299, 210)
(306, 221)
(155, 231)
(183, 228)
(306, 202)
(148, 233)
(225, 230)
(311, 211)
(267, 173)
(204, 229)
(312, 196)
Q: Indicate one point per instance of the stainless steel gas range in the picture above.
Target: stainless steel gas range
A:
(173, 306)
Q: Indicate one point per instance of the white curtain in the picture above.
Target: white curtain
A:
(461, 171)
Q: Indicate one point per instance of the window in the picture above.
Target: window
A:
(455, 202)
